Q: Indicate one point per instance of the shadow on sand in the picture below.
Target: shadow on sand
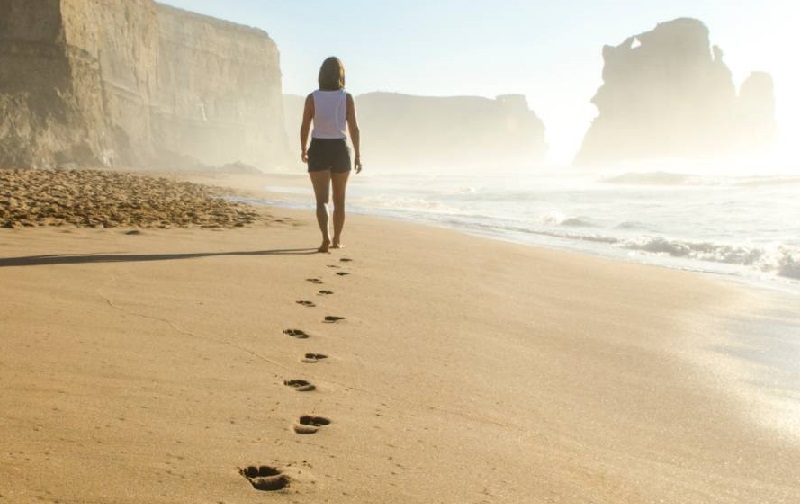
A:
(40, 260)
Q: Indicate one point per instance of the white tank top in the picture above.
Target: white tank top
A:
(330, 114)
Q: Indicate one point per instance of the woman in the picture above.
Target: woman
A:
(333, 111)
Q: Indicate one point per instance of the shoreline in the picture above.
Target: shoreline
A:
(290, 191)
(752, 352)
(465, 369)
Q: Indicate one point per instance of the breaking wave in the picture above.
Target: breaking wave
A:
(660, 178)
(651, 178)
(733, 224)
(780, 259)
(789, 265)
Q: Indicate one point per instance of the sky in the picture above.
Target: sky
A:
(548, 50)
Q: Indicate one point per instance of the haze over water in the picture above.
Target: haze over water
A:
(743, 225)
(736, 218)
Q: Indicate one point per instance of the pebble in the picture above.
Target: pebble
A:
(111, 199)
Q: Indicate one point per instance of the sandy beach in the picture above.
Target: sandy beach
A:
(157, 367)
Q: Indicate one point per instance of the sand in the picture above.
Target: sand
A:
(153, 368)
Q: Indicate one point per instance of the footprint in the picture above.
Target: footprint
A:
(345, 259)
(299, 385)
(311, 358)
(342, 273)
(332, 319)
(334, 266)
(314, 280)
(295, 333)
(265, 478)
(310, 424)
(325, 292)
(307, 304)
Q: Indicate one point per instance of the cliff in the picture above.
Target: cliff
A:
(667, 93)
(132, 82)
(407, 130)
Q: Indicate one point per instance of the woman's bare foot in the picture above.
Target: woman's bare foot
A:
(336, 244)
(323, 249)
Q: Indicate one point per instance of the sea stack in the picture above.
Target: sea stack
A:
(135, 83)
(668, 93)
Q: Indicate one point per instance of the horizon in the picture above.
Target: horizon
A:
(521, 49)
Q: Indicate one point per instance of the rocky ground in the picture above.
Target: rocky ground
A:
(94, 198)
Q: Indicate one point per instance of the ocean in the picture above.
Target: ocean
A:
(745, 226)
(742, 226)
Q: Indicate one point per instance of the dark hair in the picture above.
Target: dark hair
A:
(331, 74)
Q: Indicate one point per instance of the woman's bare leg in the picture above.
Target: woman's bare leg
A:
(339, 184)
(321, 181)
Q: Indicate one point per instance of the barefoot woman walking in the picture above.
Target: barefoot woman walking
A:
(332, 111)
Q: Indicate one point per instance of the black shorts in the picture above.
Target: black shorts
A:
(329, 154)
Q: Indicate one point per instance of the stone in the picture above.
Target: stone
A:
(82, 206)
(135, 83)
(756, 113)
(667, 93)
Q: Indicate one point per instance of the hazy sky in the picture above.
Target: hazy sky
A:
(549, 50)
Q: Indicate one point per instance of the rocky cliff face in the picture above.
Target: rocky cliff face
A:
(38, 105)
(132, 82)
(235, 108)
(406, 130)
(667, 93)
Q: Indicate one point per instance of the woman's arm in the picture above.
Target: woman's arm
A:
(305, 127)
(352, 127)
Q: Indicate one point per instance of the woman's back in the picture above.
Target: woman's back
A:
(330, 114)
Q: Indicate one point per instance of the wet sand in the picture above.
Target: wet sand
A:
(160, 366)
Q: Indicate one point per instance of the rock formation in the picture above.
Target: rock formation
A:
(132, 82)
(756, 112)
(667, 93)
(406, 130)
